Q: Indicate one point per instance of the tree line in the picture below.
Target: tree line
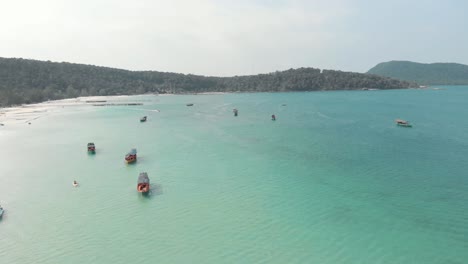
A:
(31, 81)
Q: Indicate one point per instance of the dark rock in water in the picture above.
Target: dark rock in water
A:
(96, 101)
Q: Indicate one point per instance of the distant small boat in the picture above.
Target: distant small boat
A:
(402, 123)
(1, 211)
(143, 119)
(91, 148)
(75, 184)
(273, 117)
(131, 156)
(143, 185)
(235, 111)
(189, 104)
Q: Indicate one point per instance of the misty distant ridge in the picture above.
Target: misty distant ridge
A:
(424, 73)
(30, 81)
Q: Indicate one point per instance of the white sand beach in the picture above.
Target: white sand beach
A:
(29, 112)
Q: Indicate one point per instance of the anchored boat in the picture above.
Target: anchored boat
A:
(143, 119)
(402, 123)
(131, 156)
(143, 185)
(235, 111)
(189, 104)
(91, 148)
(1, 211)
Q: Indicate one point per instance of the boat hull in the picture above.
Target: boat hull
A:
(132, 160)
(404, 125)
(143, 188)
(131, 156)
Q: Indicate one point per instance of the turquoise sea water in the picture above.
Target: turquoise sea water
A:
(333, 180)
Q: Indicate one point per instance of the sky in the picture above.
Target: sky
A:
(227, 38)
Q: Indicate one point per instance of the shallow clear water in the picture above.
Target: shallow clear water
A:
(333, 180)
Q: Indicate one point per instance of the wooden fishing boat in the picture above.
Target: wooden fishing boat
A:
(402, 123)
(91, 148)
(131, 156)
(143, 185)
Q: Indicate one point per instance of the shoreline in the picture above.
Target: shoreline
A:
(28, 112)
(20, 111)
(98, 98)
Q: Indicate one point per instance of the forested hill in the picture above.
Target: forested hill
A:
(29, 81)
(427, 74)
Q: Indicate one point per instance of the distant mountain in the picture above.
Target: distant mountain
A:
(30, 81)
(427, 74)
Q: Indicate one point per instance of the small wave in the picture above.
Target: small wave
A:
(149, 110)
(323, 115)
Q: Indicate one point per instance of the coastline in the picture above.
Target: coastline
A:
(28, 112)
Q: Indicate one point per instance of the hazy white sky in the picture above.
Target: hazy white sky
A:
(226, 38)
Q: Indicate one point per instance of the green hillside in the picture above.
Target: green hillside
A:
(427, 74)
(30, 81)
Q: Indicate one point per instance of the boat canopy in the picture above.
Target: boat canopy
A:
(90, 144)
(143, 178)
(132, 152)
